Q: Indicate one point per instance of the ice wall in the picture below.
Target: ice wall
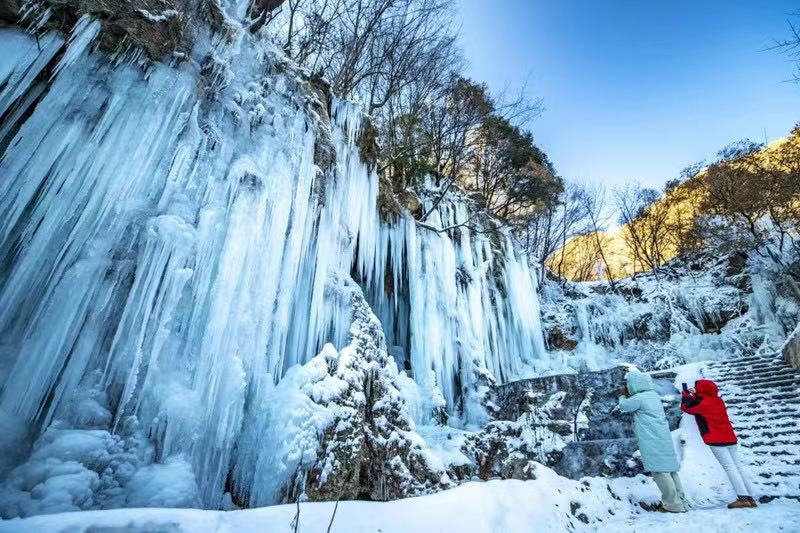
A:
(458, 302)
(166, 238)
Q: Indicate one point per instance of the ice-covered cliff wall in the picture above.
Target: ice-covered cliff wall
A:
(696, 308)
(167, 235)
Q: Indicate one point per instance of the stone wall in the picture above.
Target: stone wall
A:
(592, 395)
(580, 409)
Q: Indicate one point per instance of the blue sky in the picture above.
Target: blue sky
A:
(637, 90)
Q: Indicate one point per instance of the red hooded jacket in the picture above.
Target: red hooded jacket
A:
(710, 413)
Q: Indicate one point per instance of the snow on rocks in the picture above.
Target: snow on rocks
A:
(161, 16)
(692, 309)
(509, 450)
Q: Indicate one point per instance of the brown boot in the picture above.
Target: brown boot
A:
(742, 502)
(752, 501)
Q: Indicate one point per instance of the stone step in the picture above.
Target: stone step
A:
(760, 423)
(756, 412)
(748, 377)
(743, 361)
(776, 453)
(788, 397)
(788, 478)
(762, 381)
(741, 365)
(748, 436)
(748, 407)
(765, 431)
(741, 415)
(774, 463)
(760, 376)
(750, 359)
(771, 475)
(744, 409)
(755, 384)
(747, 372)
(760, 446)
(761, 369)
(765, 389)
(758, 357)
(770, 464)
(758, 385)
(790, 487)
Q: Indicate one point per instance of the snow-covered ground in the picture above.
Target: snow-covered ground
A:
(550, 503)
(547, 503)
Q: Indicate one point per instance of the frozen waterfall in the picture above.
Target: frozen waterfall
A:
(166, 239)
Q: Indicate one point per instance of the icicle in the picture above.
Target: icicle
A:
(82, 36)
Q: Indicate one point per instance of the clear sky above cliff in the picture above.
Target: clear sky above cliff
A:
(637, 90)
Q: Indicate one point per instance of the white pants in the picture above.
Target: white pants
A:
(726, 455)
(672, 496)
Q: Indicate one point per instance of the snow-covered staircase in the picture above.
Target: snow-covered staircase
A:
(763, 398)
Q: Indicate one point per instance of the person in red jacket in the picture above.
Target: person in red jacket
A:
(717, 431)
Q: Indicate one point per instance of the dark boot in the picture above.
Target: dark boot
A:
(742, 502)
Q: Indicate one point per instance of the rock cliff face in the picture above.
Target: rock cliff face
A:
(162, 29)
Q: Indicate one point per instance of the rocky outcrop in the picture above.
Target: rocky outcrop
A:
(600, 458)
(558, 339)
(159, 27)
(658, 320)
(163, 29)
(505, 450)
(319, 103)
